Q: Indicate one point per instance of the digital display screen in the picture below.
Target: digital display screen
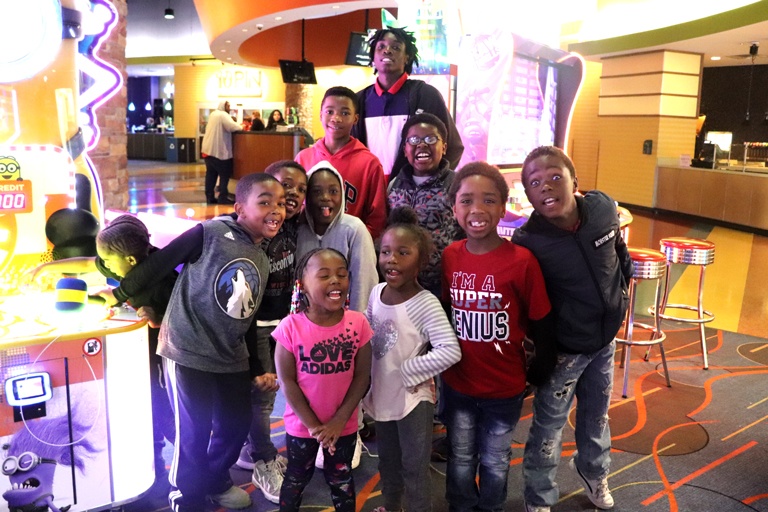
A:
(16, 196)
(29, 388)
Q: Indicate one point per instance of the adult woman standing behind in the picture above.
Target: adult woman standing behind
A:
(275, 120)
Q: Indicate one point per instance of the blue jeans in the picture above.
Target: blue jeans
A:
(480, 434)
(588, 377)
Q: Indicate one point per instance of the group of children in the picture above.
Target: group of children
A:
(357, 333)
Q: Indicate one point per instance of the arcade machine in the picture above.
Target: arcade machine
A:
(75, 425)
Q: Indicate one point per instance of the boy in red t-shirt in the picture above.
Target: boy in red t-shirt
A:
(497, 294)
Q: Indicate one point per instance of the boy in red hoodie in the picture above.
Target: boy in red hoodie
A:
(365, 185)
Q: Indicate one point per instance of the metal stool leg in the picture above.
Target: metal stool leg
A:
(628, 331)
(700, 311)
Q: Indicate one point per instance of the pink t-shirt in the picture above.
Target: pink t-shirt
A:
(325, 364)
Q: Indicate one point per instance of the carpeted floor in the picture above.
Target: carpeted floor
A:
(701, 445)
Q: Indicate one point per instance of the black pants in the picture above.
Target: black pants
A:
(213, 414)
(217, 169)
(163, 422)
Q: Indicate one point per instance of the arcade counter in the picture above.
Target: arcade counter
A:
(75, 406)
(738, 196)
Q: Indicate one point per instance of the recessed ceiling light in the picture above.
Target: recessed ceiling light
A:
(714, 57)
(223, 51)
(229, 58)
(336, 7)
(245, 30)
(278, 18)
(227, 41)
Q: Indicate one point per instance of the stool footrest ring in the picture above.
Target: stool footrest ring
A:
(637, 325)
(708, 315)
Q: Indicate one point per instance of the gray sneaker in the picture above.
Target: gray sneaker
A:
(268, 478)
(234, 498)
(596, 490)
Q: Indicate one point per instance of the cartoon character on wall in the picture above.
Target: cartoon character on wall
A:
(30, 463)
(9, 168)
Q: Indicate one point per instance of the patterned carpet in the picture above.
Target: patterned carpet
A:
(700, 445)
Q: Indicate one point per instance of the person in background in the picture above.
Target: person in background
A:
(413, 342)
(259, 453)
(497, 297)
(217, 153)
(392, 99)
(423, 184)
(208, 342)
(257, 125)
(323, 392)
(121, 245)
(364, 182)
(275, 119)
(586, 265)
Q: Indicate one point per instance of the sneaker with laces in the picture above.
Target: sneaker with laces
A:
(244, 460)
(234, 498)
(596, 490)
(534, 508)
(268, 478)
(282, 463)
(357, 455)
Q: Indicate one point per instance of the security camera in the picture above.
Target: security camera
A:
(259, 26)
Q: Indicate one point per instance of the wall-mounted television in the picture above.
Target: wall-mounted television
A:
(358, 50)
(297, 72)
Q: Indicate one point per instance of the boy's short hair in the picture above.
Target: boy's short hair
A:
(340, 90)
(479, 169)
(126, 235)
(274, 168)
(549, 151)
(426, 118)
(246, 183)
(407, 38)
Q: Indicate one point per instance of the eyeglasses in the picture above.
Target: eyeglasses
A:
(429, 139)
(24, 462)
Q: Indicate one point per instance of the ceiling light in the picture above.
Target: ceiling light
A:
(714, 57)
(278, 18)
(336, 7)
(169, 14)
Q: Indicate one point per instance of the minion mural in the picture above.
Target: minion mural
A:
(51, 84)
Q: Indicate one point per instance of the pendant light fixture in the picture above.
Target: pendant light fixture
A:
(169, 12)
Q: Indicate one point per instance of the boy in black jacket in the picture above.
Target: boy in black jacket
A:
(586, 267)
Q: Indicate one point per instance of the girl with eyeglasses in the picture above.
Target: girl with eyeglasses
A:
(423, 184)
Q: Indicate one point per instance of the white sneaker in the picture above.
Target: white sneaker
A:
(234, 498)
(534, 508)
(282, 463)
(596, 490)
(358, 452)
(268, 478)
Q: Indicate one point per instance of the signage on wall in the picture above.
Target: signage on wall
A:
(241, 83)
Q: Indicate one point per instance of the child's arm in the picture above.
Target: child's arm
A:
(329, 434)
(543, 333)
(185, 248)
(362, 267)
(286, 372)
(434, 326)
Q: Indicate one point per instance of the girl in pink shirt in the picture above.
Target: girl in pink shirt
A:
(323, 360)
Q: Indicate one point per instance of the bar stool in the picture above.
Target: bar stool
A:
(688, 251)
(648, 264)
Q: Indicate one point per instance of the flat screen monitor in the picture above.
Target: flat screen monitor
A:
(357, 50)
(298, 72)
(723, 140)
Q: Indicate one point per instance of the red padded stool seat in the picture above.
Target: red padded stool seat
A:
(648, 264)
(688, 251)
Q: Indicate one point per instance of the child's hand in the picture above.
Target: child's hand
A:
(149, 314)
(330, 434)
(107, 295)
(266, 382)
